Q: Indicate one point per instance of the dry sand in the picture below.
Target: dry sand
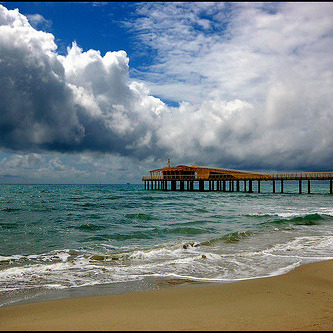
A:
(299, 300)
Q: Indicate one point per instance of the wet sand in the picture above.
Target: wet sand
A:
(299, 300)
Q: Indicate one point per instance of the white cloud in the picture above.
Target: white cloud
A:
(37, 20)
(275, 57)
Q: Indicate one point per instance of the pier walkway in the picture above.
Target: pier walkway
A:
(183, 177)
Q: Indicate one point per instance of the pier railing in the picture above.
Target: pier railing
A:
(302, 175)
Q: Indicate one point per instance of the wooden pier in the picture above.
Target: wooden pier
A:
(184, 177)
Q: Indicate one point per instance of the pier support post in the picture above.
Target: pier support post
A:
(237, 185)
(300, 186)
(173, 185)
(181, 185)
(258, 186)
(273, 186)
(201, 185)
(309, 187)
(223, 186)
(244, 185)
(281, 185)
(331, 186)
(250, 186)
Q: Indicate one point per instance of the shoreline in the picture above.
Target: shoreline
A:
(301, 299)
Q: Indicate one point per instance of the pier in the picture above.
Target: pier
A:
(191, 178)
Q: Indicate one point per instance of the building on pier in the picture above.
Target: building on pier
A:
(183, 177)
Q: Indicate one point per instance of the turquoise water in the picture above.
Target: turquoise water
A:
(75, 240)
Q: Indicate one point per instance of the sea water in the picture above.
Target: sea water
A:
(61, 241)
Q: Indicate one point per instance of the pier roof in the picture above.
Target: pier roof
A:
(203, 172)
(184, 172)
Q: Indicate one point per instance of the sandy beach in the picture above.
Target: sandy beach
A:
(299, 300)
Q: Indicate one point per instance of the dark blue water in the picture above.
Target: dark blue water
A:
(72, 240)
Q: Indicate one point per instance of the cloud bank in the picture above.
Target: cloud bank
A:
(254, 84)
(273, 60)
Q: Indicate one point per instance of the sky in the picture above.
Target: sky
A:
(105, 92)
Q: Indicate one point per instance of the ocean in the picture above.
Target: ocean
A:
(65, 241)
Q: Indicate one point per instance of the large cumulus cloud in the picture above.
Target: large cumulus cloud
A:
(79, 102)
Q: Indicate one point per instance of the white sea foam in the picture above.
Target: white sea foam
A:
(170, 260)
(12, 257)
(305, 244)
(290, 212)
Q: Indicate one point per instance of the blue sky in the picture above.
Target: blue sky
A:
(93, 26)
(105, 92)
